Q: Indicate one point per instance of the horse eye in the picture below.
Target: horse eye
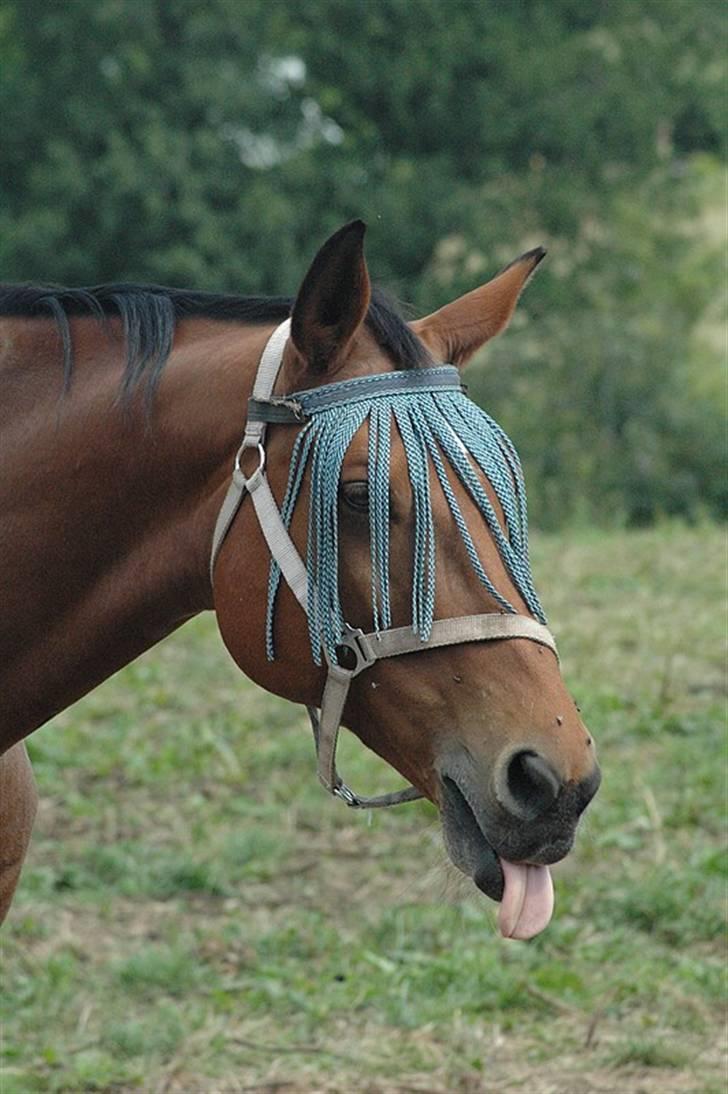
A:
(356, 496)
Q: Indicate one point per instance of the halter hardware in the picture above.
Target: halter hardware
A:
(359, 644)
(366, 649)
(251, 481)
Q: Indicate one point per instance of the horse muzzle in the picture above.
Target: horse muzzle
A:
(505, 832)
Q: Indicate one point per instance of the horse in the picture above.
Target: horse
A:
(122, 412)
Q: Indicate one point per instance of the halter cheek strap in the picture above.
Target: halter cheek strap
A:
(360, 650)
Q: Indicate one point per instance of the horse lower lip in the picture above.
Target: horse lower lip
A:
(469, 848)
(489, 876)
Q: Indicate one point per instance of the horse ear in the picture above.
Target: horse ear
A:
(458, 330)
(333, 299)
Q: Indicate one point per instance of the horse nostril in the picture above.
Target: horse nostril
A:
(530, 785)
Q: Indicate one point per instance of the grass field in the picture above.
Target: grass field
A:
(197, 916)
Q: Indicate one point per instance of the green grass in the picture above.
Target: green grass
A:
(196, 914)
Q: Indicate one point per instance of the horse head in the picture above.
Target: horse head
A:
(418, 530)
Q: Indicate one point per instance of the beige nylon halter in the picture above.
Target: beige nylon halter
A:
(365, 649)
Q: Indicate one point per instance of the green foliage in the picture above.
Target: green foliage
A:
(618, 413)
(215, 145)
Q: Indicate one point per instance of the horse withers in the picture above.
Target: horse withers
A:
(370, 546)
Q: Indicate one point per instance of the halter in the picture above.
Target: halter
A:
(353, 651)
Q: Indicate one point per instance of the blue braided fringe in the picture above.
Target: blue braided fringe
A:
(438, 426)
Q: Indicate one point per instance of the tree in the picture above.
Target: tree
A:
(216, 145)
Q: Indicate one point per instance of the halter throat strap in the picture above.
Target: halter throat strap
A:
(358, 650)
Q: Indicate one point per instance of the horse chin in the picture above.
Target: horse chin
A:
(467, 845)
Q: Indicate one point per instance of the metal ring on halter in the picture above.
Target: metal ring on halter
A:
(347, 795)
(251, 482)
(261, 458)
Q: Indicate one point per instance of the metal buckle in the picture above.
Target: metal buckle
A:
(356, 640)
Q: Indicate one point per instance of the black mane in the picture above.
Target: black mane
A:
(149, 314)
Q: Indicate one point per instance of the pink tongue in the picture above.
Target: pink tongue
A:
(528, 900)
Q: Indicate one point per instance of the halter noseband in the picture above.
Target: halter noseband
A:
(363, 650)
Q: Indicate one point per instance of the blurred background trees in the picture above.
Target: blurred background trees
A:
(215, 145)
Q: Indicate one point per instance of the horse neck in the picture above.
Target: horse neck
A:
(108, 512)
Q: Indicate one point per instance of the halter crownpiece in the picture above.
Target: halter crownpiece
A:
(437, 423)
